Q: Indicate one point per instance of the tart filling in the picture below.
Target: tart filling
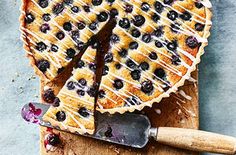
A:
(154, 47)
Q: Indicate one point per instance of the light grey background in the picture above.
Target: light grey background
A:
(18, 85)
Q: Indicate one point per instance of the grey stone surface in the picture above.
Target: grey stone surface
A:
(17, 86)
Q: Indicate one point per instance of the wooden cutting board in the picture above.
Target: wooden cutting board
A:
(175, 111)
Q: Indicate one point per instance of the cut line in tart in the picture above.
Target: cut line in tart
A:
(153, 48)
(73, 108)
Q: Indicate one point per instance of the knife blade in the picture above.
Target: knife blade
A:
(135, 130)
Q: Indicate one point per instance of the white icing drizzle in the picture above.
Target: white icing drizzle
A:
(158, 111)
(79, 124)
(181, 92)
(185, 109)
(75, 98)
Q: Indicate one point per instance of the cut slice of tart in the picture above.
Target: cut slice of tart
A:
(158, 44)
(55, 31)
(73, 108)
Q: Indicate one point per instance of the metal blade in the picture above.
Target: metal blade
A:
(124, 129)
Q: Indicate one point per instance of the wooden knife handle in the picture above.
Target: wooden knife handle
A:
(196, 140)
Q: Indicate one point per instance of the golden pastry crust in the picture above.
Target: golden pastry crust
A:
(76, 100)
(130, 97)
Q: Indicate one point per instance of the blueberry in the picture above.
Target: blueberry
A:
(146, 38)
(138, 20)
(53, 139)
(70, 85)
(158, 6)
(199, 5)
(135, 74)
(48, 96)
(192, 42)
(60, 35)
(155, 17)
(70, 53)
(199, 27)
(61, 116)
(172, 45)
(113, 12)
(123, 53)
(80, 64)
(56, 102)
(185, 16)
(118, 84)
(169, 2)
(130, 63)
(115, 38)
(108, 57)
(153, 55)
(40, 46)
(175, 60)
(83, 112)
(80, 92)
(93, 26)
(43, 3)
(43, 65)
(86, 8)
(175, 27)
(110, 1)
(158, 44)
(68, 2)
(158, 32)
(46, 17)
(81, 25)
(133, 101)
(91, 92)
(172, 15)
(118, 66)
(54, 48)
(133, 45)
(160, 73)
(29, 18)
(82, 82)
(144, 66)
(75, 9)
(128, 8)
(58, 8)
(147, 87)
(60, 70)
(101, 94)
(67, 26)
(96, 2)
(92, 67)
(105, 70)
(80, 45)
(75, 35)
(145, 6)
(135, 33)
(44, 28)
(124, 23)
(102, 17)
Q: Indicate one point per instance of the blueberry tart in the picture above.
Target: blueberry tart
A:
(153, 48)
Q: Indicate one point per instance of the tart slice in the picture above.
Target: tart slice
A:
(73, 108)
(157, 45)
(55, 31)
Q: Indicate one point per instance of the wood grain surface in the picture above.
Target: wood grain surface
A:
(175, 111)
